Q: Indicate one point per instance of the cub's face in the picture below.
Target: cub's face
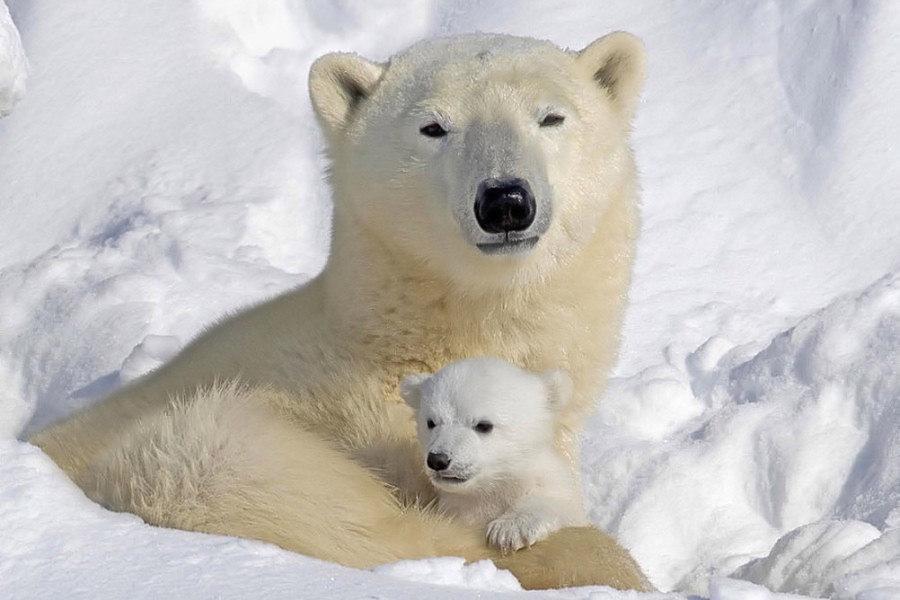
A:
(491, 159)
(482, 420)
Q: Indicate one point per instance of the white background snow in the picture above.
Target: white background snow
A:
(163, 168)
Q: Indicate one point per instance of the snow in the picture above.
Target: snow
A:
(828, 557)
(450, 570)
(732, 589)
(164, 169)
(753, 445)
(13, 64)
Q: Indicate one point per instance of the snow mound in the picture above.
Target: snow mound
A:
(143, 197)
(699, 466)
(13, 66)
(837, 559)
(481, 575)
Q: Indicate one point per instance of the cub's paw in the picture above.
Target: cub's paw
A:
(516, 529)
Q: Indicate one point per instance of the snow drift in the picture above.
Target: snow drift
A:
(700, 465)
(164, 169)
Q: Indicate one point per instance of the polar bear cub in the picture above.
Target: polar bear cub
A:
(486, 428)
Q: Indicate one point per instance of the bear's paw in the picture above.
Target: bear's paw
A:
(517, 529)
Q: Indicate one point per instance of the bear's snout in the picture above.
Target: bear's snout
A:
(504, 205)
(438, 461)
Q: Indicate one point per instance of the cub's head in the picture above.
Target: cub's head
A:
(481, 420)
(489, 159)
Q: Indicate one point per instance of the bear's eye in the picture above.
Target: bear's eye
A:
(552, 120)
(429, 423)
(484, 427)
(433, 130)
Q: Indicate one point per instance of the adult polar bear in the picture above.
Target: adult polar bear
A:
(485, 204)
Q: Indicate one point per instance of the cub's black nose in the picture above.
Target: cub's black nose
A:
(438, 461)
(505, 205)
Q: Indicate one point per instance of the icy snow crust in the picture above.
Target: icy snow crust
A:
(164, 169)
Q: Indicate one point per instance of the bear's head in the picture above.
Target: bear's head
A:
(488, 159)
(482, 420)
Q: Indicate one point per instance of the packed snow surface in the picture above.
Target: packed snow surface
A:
(13, 65)
(163, 169)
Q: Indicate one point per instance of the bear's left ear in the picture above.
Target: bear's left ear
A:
(338, 83)
(559, 389)
(616, 63)
(411, 389)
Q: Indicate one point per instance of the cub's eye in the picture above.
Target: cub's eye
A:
(433, 130)
(552, 120)
(429, 423)
(484, 427)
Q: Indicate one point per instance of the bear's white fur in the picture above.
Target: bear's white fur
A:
(486, 429)
(298, 453)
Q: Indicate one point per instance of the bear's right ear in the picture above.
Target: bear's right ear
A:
(411, 389)
(338, 83)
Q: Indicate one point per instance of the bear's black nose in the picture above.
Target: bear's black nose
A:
(438, 461)
(505, 205)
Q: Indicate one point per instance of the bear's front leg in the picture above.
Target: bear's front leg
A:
(530, 520)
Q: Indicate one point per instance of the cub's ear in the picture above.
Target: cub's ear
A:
(559, 389)
(338, 83)
(616, 62)
(411, 389)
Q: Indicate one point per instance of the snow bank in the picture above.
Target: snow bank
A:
(698, 465)
(13, 66)
(165, 169)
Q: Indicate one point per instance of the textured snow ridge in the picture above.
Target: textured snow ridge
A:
(13, 66)
(837, 559)
(718, 456)
(165, 169)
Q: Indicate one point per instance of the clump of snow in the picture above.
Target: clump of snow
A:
(151, 353)
(481, 575)
(13, 65)
(144, 197)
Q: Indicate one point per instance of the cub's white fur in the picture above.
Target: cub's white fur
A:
(486, 429)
